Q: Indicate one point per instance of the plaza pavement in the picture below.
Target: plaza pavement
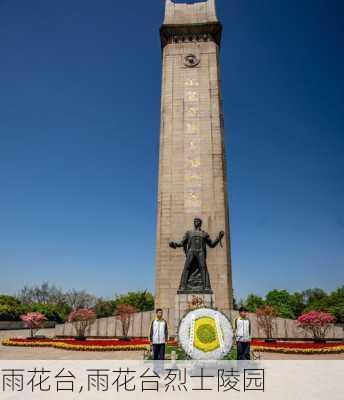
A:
(25, 333)
(48, 353)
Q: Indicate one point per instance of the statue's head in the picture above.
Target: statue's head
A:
(197, 222)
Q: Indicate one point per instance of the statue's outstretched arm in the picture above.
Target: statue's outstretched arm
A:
(214, 243)
(182, 243)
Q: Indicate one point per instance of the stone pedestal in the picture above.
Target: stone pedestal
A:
(183, 302)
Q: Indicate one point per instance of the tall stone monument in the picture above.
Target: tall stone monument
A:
(192, 167)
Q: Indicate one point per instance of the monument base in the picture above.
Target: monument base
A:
(184, 303)
(195, 292)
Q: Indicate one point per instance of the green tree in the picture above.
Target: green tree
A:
(283, 302)
(53, 312)
(9, 300)
(12, 313)
(235, 304)
(297, 302)
(105, 308)
(335, 304)
(253, 302)
(11, 308)
(142, 300)
(315, 299)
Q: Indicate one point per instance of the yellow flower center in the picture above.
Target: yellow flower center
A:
(206, 336)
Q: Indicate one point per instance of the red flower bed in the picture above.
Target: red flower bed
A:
(295, 345)
(298, 347)
(136, 344)
(87, 342)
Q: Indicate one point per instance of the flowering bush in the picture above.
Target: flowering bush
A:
(265, 317)
(124, 313)
(33, 320)
(82, 319)
(316, 322)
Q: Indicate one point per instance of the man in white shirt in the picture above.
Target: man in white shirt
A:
(158, 335)
(242, 328)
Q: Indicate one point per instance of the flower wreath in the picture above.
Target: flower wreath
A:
(205, 334)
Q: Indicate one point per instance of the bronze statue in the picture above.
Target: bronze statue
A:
(195, 276)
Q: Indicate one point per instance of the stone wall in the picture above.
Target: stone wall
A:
(111, 327)
(287, 328)
(13, 325)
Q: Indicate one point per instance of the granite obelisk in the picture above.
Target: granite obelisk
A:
(192, 165)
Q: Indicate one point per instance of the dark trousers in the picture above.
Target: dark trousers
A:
(192, 257)
(159, 351)
(243, 349)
